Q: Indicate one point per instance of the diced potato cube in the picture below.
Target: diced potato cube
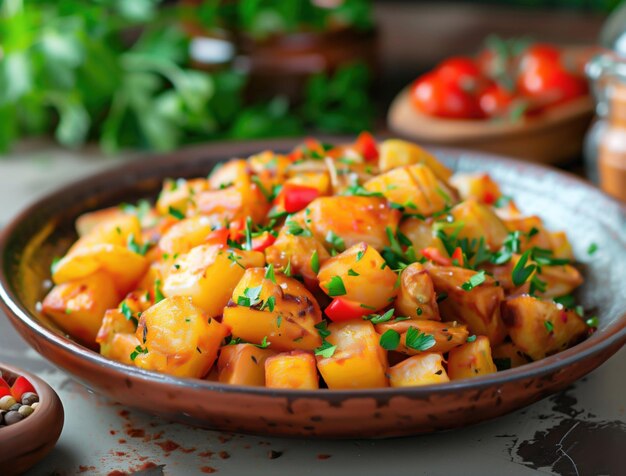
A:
(226, 174)
(478, 186)
(540, 236)
(415, 187)
(421, 235)
(423, 369)
(396, 153)
(179, 194)
(479, 307)
(416, 296)
(473, 220)
(358, 361)
(243, 364)
(177, 338)
(560, 245)
(78, 306)
(447, 335)
(125, 266)
(508, 356)
(291, 370)
(297, 250)
(365, 276)
(471, 360)
(185, 234)
(116, 229)
(209, 274)
(352, 219)
(540, 328)
(117, 337)
(289, 324)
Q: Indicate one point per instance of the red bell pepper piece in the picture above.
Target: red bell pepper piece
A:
(433, 254)
(458, 256)
(218, 237)
(367, 146)
(236, 228)
(20, 387)
(341, 309)
(259, 243)
(297, 197)
(489, 198)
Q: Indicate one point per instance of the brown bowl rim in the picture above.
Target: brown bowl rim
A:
(614, 334)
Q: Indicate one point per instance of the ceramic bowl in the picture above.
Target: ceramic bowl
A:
(554, 137)
(565, 202)
(25, 443)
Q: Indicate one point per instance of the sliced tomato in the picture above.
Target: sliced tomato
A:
(297, 197)
(366, 145)
(341, 309)
(20, 387)
(433, 254)
(259, 243)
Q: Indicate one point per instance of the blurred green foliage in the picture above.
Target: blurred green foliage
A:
(117, 71)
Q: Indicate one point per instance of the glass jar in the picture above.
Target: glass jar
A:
(605, 144)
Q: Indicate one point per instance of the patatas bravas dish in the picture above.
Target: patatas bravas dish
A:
(348, 266)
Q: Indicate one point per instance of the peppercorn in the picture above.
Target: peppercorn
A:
(25, 410)
(7, 402)
(15, 407)
(13, 417)
(34, 405)
(28, 398)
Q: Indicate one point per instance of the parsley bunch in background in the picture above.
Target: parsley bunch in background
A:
(116, 71)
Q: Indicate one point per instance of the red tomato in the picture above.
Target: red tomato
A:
(433, 254)
(297, 197)
(367, 146)
(539, 54)
(259, 243)
(20, 387)
(495, 101)
(462, 71)
(341, 309)
(436, 97)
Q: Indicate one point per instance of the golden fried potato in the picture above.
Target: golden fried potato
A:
(177, 338)
(479, 307)
(447, 335)
(282, 312)
(352, 219)
(117, 337)
(208, 274)
(295, 370)
(243, 364)
(226, 174)
(415, 187)
(423, 369)
(474, 221)
(78, 306)
(421, 235)
(358, 361)
(478, 186)
(416, 296)
(185, 234)
(179, 194)
(540, 328)
(471, 360)
(508, 356)
(297, 250)
(397, 153)
(364, 274)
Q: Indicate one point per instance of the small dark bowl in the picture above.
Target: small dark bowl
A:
(27, 442)
(564, 201)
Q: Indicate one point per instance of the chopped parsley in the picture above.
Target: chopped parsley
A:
(521, 272)
(251, 296)
(269, 273)
(359, 255)
(335, 287)
(315, 262)
(417, 340)
(390, 340)
(326, 350)
(502, 201)
(138, 350)
(476, 280)
(549, 326)
(593, 247)
(335, 241)
(360, 191)
(135, 247)
(270, 303)
(128, 313)
(352, 272)
(592, 321)
(158, 294)
(471, 338)
(287, 270)
(380, 318)
(175, 212)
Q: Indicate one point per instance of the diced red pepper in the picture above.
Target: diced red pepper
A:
(236, 228)
(433, 254)
(489, 198)
(341, 309)
(218, 237)
(297, 197)
(20, 387)
(366, 144)
(458, 256)
(259, 243)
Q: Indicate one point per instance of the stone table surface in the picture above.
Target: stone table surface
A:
(581, 431)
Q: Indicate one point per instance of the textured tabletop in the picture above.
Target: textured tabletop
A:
(577, 432)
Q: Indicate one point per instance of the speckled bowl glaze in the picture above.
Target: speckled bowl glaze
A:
(564, 201)
(25, 443)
